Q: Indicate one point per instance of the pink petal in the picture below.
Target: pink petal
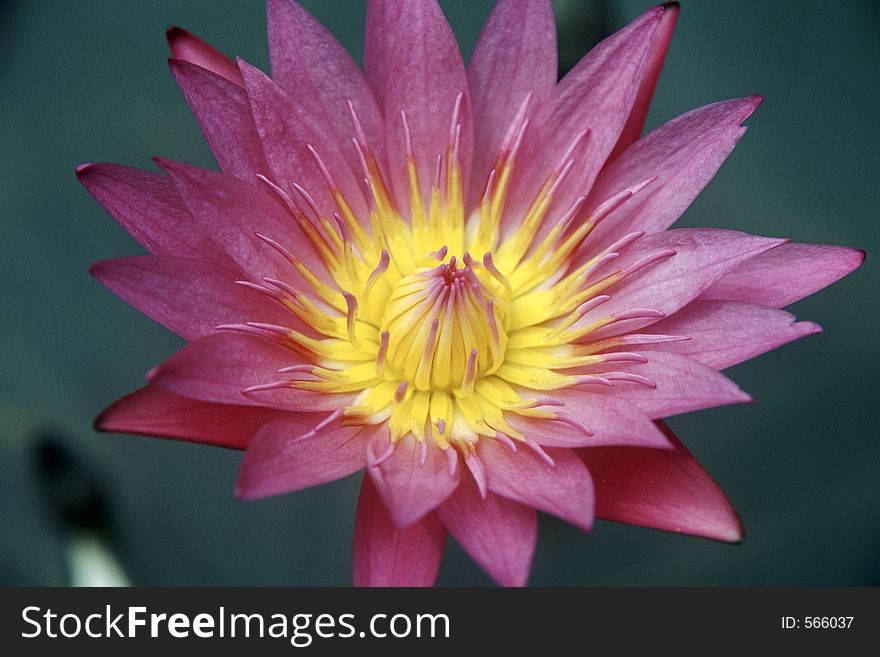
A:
(498, 534)
(190, 48)
(661, 488)
(411, 489)
(724, 333)
(611, 421)
(224, 114)
(218, 367)
(413, 63)
(287, 129)
(682, 385)
(786, 274)
(233, 212)
(565, 491)
(514, 56)
(648, 80)
(387, 556)
(701, 256)
(683, 154)
(596, 95)
(148, 206)
(190, 297)
(311, 66)
(276, 462)
(151, 411)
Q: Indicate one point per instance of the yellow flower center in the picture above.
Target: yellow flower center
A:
(424, 336)
(445, 329)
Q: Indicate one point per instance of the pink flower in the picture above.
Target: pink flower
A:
(462, 281)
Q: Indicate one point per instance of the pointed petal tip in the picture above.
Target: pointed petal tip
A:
(730, 530)
(754, 101)
(860, 255)
(748, 106)
(808, 328)
(240, 492)
(82, 169)
(727, 530)
(248, 491)
(162, 162)
(102, 423)
(174, 32)
(95, 270)
(152, 372)
(737, 536)
(510, 579)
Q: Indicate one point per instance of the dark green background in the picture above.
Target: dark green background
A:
(87, 81)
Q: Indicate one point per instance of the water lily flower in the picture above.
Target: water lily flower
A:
(460, 280)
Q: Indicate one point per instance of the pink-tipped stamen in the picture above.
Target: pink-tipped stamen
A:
(489, 264)
(300, 367)
(451, 460)
(475, 465)
(570, 420)
(647, 261)
(630, 377)
(423, 453)
(351, 304)
(265, 291)
(381, 268)
(376, 461)
(505, 440)
(470, 373)
(592, 379)
(382, 353)
(539, 451)
(356, 122)
(278, 247)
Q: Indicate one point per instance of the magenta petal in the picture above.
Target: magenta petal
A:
(596, 95)
(217, 368)
(497, 533)
(413, 63)
(313, 67)
(282, 458)
(190, 297)
(565, 491)
(648, 80)
(190, 48)
(288, 130)
(611, 421)
(233, 213)
(681, 385)
(724, 333)
(515, 56)
(661, 488)
(151, 411)
(699, 256)
(786, 274)
(148, 206)
(384, 555)
(684, 154)
(224, 114)
(409, 487)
